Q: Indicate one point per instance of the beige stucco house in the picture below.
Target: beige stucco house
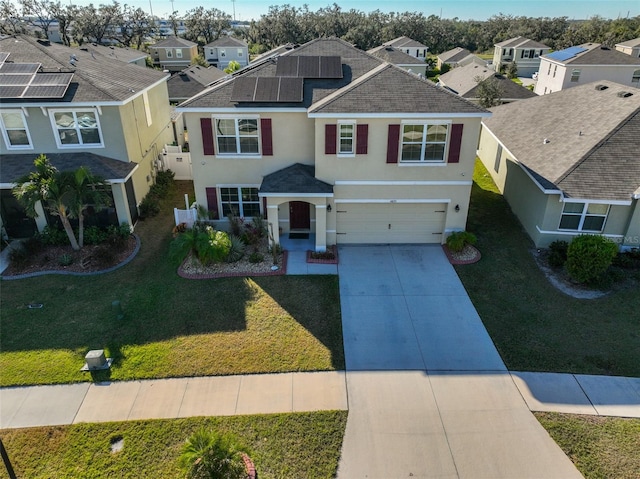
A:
(568, 163)
(173, 53)
(220, 52)
(524, 52)
(330, 140)
(81, 109)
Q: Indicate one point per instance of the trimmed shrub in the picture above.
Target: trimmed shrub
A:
(558, 253)
(237, 249)
(19, 257)
(457, 240)
(216, 248)
(94, 235)
(65, 260)
(53, 236)
(104, 255)
(589, 256)
(256, 257)
(149, 206)
(33, 245)
(208, 454)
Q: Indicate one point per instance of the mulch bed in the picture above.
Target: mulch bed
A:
(331, 251)
(468, 255)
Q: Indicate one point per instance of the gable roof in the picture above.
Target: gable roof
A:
(96, 78)
(392, 55)
(521, 42)
(592, 54)
(630, 43)
(297, 178)
(173, 42)
(227, 41)
(192, 80)
(404, 42)
(510, 89)
(275, 51)
(462, 79)
(593, 139)
(124, 54)
(452, 56)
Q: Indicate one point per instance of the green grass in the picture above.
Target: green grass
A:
(517, 81)
(173, 326)
(281, 446)
(599, 447)
(534, 326)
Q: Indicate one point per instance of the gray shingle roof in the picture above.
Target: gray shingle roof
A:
(191, 81)
(462, 79)
(404, 42)
(510, 90)
(521, 42)
(297, 178)
(227, 41)
(455, 55)
(594, 139)
(16, 165)
(96, 78)
(275, 51)
(630, 43)
(392, 55)
(598, 54)
(173, 42)
(124, 54)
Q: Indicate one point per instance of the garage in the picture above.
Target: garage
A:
(390, 222)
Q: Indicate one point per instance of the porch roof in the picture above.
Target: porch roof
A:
(297, 178)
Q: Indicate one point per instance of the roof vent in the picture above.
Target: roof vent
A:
(389, 49)
(44, 42)
(601, 87)
(545, 141)
(604, 47)
(624, 94)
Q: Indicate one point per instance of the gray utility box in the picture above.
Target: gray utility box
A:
(95, 360)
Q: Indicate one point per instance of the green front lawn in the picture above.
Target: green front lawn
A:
(534, 326)
(172, 326)
(281, 446)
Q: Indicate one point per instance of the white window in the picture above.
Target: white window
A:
(239, 52)
(237, 136)
(75, 128)
(583, 217)
(346, 135)
(14, 130)
(223, 52)
(636, 77)
(178, 52)
(422, 143)
(169, 54)
(575, 75)
(241, 201)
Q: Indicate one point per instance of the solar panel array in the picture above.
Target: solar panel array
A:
(566, 54)
(23, 80)
(267, 89)
(304, 66)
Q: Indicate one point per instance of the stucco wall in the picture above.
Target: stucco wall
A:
(588, 73)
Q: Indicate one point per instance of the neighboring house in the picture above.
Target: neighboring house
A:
(123, 54)
(567, 163)
(584, 64)
(191, 81)
(80, 110)
(524, 52)
(458, 57)
(165, 27)
(408, 46)
(400, 58)
(330, 140)
(630, 47)
(275, 51)
(173, 53)
(463, 81)
(226, 49)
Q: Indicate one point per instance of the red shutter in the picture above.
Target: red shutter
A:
(206, 125)
(212, 201)
(264, 207)
(267, 142)
(455, 143)
(330, 138)
(393, 142)
(362, 139)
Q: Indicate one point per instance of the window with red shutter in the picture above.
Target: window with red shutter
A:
(206, 126)
(362, 139)
(455, 143)
(393, 142)
(267, 142)
(212, 201)
(330, 138)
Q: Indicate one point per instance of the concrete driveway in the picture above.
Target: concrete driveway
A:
(429, 396)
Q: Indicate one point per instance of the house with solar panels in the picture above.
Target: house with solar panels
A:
(568, 163)
(586, 63)
(330, 141)
(524, 52)
(79, 108)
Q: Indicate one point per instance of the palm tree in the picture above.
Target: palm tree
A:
(207, 454)
(88, 190)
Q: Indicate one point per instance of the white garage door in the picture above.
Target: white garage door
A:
(390, 222)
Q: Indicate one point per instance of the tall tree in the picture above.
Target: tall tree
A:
(133, 25)
(86, 190)
(66, 15)
(38, 14)
(10, 19)
(489, 91)
(206, 25)
(96, 24)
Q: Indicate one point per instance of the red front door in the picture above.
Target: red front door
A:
(299, 215)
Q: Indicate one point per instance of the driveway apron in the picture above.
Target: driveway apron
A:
(429, 395)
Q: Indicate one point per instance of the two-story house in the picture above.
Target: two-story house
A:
(584, 64)
(630, 47)
(409, 46)
(80, 109)
(226, 49)
(400, 58)
(330, 140)
(457, 57)
(173, 53)
(524, 52)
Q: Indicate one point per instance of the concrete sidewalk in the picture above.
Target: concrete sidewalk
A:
(172, 398)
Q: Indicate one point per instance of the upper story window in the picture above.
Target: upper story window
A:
(237, 136)
(636, 77)
(14, 130)
(575, 75)
(75, 128)
(240, 52)
(583, 217)
(346, 135)
(222, 52)
(169, 53)
(178, 52)
(422, 143)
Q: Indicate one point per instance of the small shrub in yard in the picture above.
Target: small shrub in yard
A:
(457, 240)
(149, 206)
(216, 248)
(94, 235)
(207, 454)
(558, 253)
(237, 249)
(256, 257)
(19, 257)
(589, 256)
(65, 260)
(323, 255)
(104, 255)
(53, 236)
(33, 245)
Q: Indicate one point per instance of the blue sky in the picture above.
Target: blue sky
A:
(463, 9)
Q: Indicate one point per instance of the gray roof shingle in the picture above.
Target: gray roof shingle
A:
(191, 81)
(297, 178)
(404, 42)
(392, 55)
(227, 41)
(593, 139)
(521, 42)
(173, 42)
(124, 54)
(452, 56)
(630, 43)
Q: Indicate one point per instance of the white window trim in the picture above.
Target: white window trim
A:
(5, 135)
(169, 53)
(178, 52)
(445, 154)
(575, 73)
(583, 216)
(635, 76)
(248, 156)
(352, 153)
(240, 52)
(55, 128)
(240, 205)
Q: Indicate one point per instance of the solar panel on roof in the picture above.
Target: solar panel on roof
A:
(47, 91)
(309, 67)
(566, 54)
(291, 90)
(243, 89)
(11, 91)
(330, 67)
(3, 56)
(11, 68)
(15, 80)
(34, 85)
(267, 89)
(287, 67)
(54, 79)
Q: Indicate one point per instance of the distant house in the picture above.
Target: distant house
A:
(567, 163)
(123, 54)
(275, 51)
(400, 58)
(458, 57)
(408, 46)
(524, 52)
(191, 81)
(173, 53)
(630, 47)
(86, 110)
(463, 81)
(584, 64)
(226, 49)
